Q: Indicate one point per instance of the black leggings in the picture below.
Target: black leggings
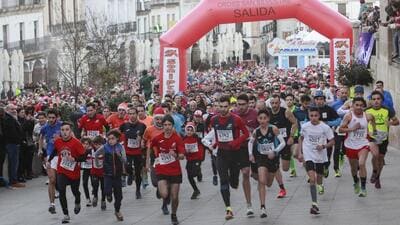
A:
(96, 182)
(85, 182)
(339, 147)
(62, 183)
(114, 185)
(228, 170)
(214, 164)
(138, 164)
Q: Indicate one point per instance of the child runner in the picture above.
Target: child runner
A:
(97, 174)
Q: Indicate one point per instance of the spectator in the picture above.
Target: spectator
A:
(27, 147)
(13, 141)
(3, 182)
(395, 26)
(387, 97)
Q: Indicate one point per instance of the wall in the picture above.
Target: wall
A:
(13, 25)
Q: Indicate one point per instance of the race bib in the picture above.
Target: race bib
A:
(282, 132)
(225, 135)
(192, 148)
(265, 148)
(324, 115)
(315, 139)
(93, 133)
(98, 164)
(87, 164)
(165, 158)
(358, 134)
(133, 143)
(67, 164)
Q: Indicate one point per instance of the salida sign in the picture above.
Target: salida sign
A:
(251, 8)
(262, 11)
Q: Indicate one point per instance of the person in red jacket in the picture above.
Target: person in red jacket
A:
(70, 151)
(194, 152)
(168, 149)
(230, 132)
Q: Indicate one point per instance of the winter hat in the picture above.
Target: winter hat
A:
(158, 112)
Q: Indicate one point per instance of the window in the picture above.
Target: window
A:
(158, 19)
(5, 36)
(173, 17)
(62, 11)
(21, 32)
(153, 21)
(342, 8)
(144, 24)
(168, 18)
(292, 61)
(21, 2)
(35, 29)
(138, 26)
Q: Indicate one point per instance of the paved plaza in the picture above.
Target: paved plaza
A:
(338, 206)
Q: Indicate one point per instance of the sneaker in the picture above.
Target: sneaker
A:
(314, 209)
(103, 205)
(77, 208)
(164, 209)
(52, 209)
(282, 193)
(66, 219)
(321, 189)
(338, 173)
(119, 216)
(138, 195)
(94, 203)
(174, 219)
(195, 194)
(130, 180)
(249, 211)
(263, 213)
(109, 198)
(215, 180)
(200, 177)
(229, 213)
(363, 193)
(293, 173)
(326, 172)
(357, 188)
(18, 185)
(88, 203)
(373, 178)
(378, 184)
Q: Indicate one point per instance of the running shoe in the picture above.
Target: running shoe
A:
(119, 216)
(52, 209)
(103, 205)
(200, 177)
(373, 178)
(263, 213)
(229, 213)
(282, 193)
(94, 203)
(88, 203)
(77, 208)
(293, 173)
(66, 219)
(109, 198)
(326, 172)
(195, 194)
(338, 173)
(378, 184)
(363, 193)
(357, 188)
(174, 219)
(164, 209)
(314, 209)
(130, 180)
(215, 180)
(321, 189)
(138, 195)
(249, 211)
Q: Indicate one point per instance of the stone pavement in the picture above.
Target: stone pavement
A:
(338, 206)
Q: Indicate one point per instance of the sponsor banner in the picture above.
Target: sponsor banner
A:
(365, 46)
(295, 47)
(341, 52)
(171, 70)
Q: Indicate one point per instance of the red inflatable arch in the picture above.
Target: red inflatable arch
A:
(209, 13)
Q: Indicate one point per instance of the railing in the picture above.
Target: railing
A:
(148, 35)
(58, 29)
(29, 46)
(122, 28)
(164, 2)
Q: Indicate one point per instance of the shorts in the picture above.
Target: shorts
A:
(53, 163)
(170, 179)
(193, 168)
(383, 147)
(317, 167)
(242, 157)
(254, 168)
(353, 153)
(271, 164)
(286, 152)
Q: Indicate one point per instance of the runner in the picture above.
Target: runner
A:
(200, 132)
(249, 117)
(114, 167)
(228, 136)
(355, 125)
(92, 124)
(117, 119)
(287, 124)
(69, 151)
(97, 174)
(86, 167)
(194, 152)
(312, 150)
(168, 149)
(290, 102)
(133, 131)
(384, 118)
(148, 121)
(211, 111)
(48, 134)
(265, 142)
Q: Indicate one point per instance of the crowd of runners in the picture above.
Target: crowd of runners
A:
(257, 122)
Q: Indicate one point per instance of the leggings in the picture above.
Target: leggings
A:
(114, 185)
(228, 170)
(214, 164)
(62, 183)
(137, 161)
(85, 182)
(96, 182)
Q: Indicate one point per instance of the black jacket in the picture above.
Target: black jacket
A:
(12, 130)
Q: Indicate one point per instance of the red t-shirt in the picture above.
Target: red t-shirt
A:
(166, 164)
(97, 168)
(93, 126)
(74, 148)
(115, 122)
(194, 150)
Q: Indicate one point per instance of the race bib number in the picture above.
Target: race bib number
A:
(192, 148)
(165, 158)
(282, 131)
(98, 164)
(265, 148)
(359, 134)
(315, 139)
(93, 133)
(324, 115)
(87, 164)
(225, 135)
(133, 143)
(67, 164)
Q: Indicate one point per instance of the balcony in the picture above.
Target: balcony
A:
(122, 28)
(148, 35)
(59, 29)
(30, 46)
(155, 3)
(13, 6)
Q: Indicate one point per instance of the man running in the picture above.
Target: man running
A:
(92, 124)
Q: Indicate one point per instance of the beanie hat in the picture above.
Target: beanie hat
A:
(158, 112)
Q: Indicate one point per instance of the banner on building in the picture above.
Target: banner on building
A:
(171, 71)
(341, 52)
(365, 46)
